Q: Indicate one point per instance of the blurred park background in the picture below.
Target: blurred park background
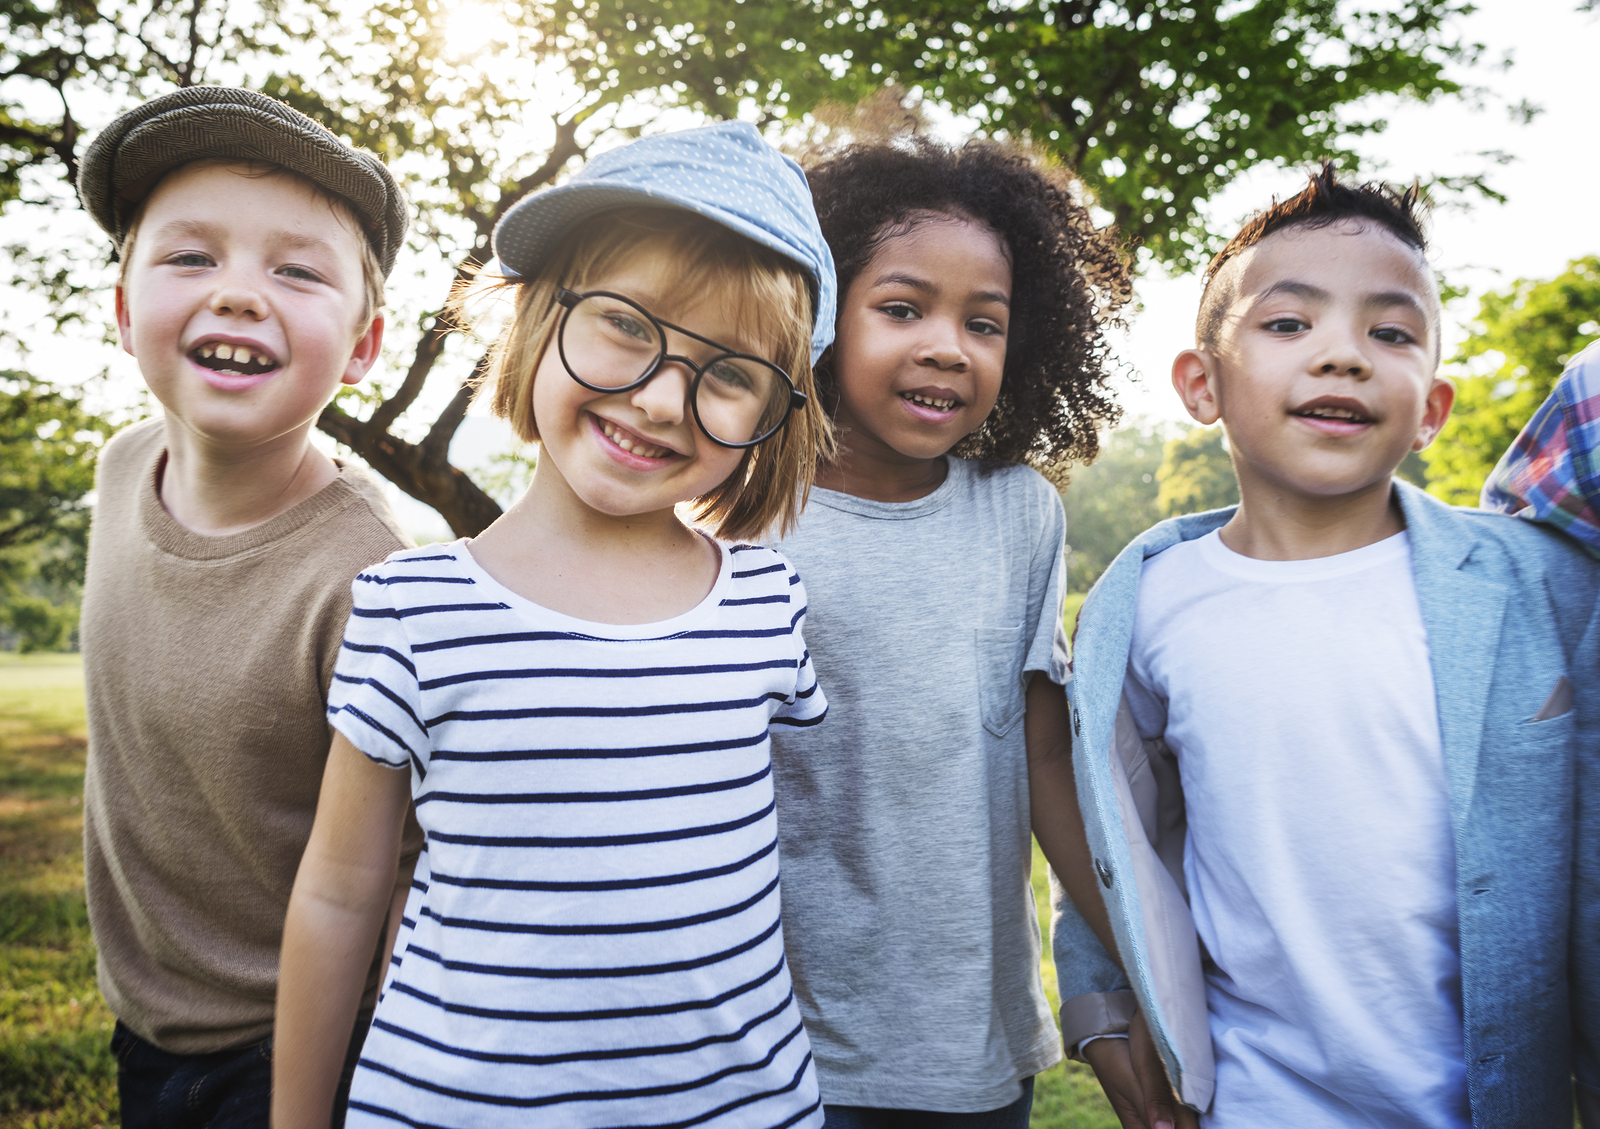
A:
(1178, 117)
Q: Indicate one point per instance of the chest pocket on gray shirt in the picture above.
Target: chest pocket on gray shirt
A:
(1000, 696)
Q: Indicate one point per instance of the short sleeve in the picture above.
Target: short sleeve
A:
(374, 699)
(1047, 583)
(1148, 707)
(807, 706)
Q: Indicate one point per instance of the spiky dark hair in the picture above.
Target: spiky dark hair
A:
(1323, 201)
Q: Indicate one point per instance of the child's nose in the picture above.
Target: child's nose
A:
(941, 348)
(664, 397)
(238, 300)
(1342, 354)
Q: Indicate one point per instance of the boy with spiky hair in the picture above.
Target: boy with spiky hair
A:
(1337, 748)
(254, 247)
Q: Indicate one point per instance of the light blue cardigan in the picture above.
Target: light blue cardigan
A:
(1513, 627)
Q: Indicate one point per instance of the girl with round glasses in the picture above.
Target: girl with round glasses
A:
(579, 698)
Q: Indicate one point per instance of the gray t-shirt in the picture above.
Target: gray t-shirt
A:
(903, 819)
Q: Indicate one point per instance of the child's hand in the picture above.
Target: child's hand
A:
(1130, 1072)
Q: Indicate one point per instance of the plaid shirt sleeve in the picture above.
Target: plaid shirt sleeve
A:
(1552, 471)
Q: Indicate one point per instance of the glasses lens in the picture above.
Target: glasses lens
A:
(740, 400)
(609, 342)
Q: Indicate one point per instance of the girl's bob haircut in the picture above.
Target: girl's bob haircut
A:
(771, 299)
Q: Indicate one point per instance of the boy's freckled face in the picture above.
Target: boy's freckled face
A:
(639, 451)
(243, 302)
(921, 339)
(1323, 371)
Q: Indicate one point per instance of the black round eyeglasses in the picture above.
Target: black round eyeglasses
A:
(610, 343)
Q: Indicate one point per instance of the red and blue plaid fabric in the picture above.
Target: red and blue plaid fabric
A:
(1552, 471)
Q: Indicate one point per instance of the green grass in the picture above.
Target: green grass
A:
(1069, 609)
(55, 1069)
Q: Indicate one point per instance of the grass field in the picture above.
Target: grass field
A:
(55, 1069)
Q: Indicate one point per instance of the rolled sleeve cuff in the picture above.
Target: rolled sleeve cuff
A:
(1094, 1014)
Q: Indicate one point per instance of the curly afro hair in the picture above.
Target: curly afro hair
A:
(1068, 280)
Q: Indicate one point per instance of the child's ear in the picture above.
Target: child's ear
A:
(1435, 411)
(1194, 378)
(365, 353)
(124, 325)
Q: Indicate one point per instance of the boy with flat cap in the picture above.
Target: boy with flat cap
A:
(254, 247)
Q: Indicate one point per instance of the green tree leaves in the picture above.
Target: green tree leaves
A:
(1196, 474)
(48, 446)
(1111, 501)
(1157, 104)
(1521, 340)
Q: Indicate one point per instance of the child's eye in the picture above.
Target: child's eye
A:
(985, 328)
(899, 311)
(1393, 335)
(629, 326)
(190, 259)
(1286, 326)
(300, 274)
(732, 375)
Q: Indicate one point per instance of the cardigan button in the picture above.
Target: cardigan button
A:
(1077, 723)
(1104, 872)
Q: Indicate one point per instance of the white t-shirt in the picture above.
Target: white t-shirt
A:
(593, 938)
(1320, 865)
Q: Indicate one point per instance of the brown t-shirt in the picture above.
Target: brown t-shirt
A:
(207, 662)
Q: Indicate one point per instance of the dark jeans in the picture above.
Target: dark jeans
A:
(1013, 1116)
(223, 1090)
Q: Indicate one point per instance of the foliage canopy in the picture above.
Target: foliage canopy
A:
(1158, 103)
(1112, 500)
(1196, 474)
(1521, 340)
(48, 444)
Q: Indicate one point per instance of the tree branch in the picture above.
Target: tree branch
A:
(423, 469)
(430, 480)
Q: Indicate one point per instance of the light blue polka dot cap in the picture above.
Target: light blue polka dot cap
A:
(725, 172)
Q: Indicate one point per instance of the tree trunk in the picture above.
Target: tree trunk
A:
(423, 469)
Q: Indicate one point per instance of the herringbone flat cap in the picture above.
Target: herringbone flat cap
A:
(132, 153)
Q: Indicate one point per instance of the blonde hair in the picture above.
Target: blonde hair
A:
(371, 268)
(772, 303)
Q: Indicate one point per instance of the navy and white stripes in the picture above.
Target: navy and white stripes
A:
(593, 936)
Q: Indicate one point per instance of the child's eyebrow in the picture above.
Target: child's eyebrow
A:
(291, 240)
(192, 228)
(1388, 298)
(912, 282)
(1296, 290)
(1380, 300)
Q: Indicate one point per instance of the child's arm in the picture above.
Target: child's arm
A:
(1053, 803)
(1129, 1070)
(341, 894)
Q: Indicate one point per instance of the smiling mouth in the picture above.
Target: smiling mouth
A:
(632, 443)
(1329, 412)
(929, 401)
(233, 360)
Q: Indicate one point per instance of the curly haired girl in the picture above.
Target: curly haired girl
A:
(969, 358)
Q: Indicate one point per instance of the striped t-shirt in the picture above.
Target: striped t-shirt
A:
(593, 938)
